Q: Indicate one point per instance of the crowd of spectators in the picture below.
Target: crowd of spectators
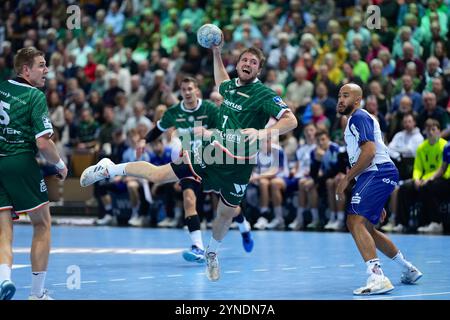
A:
(115, 74)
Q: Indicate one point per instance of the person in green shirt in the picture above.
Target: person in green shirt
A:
(25, 129)
(225, 161)
(427, 162)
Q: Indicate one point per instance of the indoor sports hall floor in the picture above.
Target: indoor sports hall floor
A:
(131, 263)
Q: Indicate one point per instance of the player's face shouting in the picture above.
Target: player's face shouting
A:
(38, 72)
(189, 92)
(248, 67)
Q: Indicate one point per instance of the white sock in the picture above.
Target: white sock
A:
(278, 210)
(213, 245)
(37, 283)
(315, 214)
(5, 272)
(405, 264)
(340, 215)
(108, 207)
(243, 227)
(196, 238)
(374, 267)
(332, 216)
(300, 214)
(264, 210)
(117, 170)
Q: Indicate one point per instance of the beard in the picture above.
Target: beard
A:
(348, 109)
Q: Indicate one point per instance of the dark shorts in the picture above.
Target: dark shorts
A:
(22, 187)
(291, 184)
(372, 190)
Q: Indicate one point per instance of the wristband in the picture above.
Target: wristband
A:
(60, 165)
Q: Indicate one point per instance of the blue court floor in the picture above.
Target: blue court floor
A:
(133, 263)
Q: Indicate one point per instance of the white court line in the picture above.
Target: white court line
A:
(115, 280)
(200, 273)
(346, 265)
(232, 271)
(434, 261)
(260, 270)
(149, 277)
(318, 267)
(290, 268)
(59, 284)
(408, 296)
(89, 281)
(174, 275)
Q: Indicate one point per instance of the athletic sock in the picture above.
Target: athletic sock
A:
(193, 224)
(213, 245)
(5, 272)
(37, 283)
(315, 214)
(400, 259)
(117, 170)
(278, 211)
(374, 267)
(300, 214)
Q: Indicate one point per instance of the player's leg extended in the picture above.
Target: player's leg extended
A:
(105, 168)
(195, 253)
(40, 250)
(7, 287)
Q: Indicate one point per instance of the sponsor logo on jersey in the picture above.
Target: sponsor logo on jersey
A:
(6, 94)
(356, 199)
(46, 122)
(191, 119)
(279, 102)
(43, 186)
(232, 105)
(389, 181)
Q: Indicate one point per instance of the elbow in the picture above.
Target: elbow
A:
(293, 123)
(42, 144)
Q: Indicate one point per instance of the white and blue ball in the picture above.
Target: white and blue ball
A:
(209, 35)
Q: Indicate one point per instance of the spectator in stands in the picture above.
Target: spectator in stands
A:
(440, 92)
(270, 164)
(408, 56)
(288, 183)
(426, 164)
(435, 192)
(300, 91)
(432, 110)
(122, 109)
(138, 118)
(408, 90)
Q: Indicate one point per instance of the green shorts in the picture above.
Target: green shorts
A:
(22, 187)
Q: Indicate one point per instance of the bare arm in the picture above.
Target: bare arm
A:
(220, 73)
(440, 171)
(48, 150)
(365, 158)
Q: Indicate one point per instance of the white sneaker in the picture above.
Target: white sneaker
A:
(44, 296)
(276, 224)
(329, 224)
(411, 275)
(107, 220)
(296, 225)
(433, 227)
(234, 226)
(261, 223)
(136, 221)
(95, 173)
(212, 266)
(389, 227)
(337, 225)
(399, 228)
(375, 285)
(164, 223)
(313, 225)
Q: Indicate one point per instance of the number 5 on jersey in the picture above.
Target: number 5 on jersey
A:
(4, 118)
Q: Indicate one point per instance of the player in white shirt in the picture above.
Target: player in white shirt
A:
(376, 177)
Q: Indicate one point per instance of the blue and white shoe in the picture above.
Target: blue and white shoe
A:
(7, 290)
(411, 275)
(195, 254)
(247, 241)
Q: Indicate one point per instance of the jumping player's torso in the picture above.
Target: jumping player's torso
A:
(246, 106)
(23, 117)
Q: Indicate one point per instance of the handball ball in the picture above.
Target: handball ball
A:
(209, 35)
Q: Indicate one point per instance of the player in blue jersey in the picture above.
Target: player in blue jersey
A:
(376, 177)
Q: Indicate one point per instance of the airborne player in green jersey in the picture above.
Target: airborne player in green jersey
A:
(25, 128)
(183, 116)
(248, 105)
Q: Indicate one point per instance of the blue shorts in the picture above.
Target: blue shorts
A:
(291, 184)
(372, 190)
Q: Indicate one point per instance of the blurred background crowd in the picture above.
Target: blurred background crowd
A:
(111, 80)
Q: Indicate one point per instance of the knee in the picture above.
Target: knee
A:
(189, 203)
